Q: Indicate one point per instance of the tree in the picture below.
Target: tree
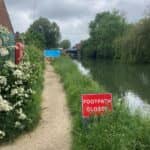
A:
(103, 30)
(65, 44)
(134, 45)
(44, 33)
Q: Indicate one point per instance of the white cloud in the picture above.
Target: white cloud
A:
(72, 16)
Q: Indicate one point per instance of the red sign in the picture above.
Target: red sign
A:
(96, 104)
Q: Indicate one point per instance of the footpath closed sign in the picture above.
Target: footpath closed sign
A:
(96, 104)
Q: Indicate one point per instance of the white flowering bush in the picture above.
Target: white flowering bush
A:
(20, 96)
(20, 92)
(15, 95)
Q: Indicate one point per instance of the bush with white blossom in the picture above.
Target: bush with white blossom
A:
(15, 93)
(20, 93)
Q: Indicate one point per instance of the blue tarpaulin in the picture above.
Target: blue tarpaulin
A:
(52, 53)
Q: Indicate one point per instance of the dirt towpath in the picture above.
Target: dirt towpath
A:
(53, 131)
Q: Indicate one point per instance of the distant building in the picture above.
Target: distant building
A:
(78, 46)
(4, 17)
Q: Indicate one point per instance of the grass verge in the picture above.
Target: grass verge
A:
(119, 130)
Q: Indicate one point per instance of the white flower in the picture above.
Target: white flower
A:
(10, 64)
(4, 52)
(27, 64)
(30, 90)
(17, 124)
(18, 91)
(22, 116)
(19, 103)
(5, 105)
(2, 134)
(3, 80)
(18, 73)
(6, 89)
(21, 90)
(26, 95)
(14, 92)
(18, 82)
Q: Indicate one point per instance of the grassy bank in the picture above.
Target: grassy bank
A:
(118, 130)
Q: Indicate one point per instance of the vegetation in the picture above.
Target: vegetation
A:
(65, 44)
(20, 93)
(103, 30)
(112, 37)
(43, 34)
(119, 130)
(134, 45)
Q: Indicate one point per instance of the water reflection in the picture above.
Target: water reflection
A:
(81, 68)
(136, 103)
(121, 78)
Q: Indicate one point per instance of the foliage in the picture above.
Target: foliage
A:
(43, 33)
(118, 130)
(20, 95)
(134, 45)
(103, 30)
(111, 37)
(32, 38)
(65, 44)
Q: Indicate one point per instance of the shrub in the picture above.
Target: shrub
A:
(20, 94)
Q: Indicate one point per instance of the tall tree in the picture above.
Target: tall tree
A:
(134, 45)
(103, 30)
(45, 32)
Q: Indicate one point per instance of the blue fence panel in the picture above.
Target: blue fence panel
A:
(52, 53)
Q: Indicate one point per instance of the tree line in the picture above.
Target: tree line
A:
(112, 37)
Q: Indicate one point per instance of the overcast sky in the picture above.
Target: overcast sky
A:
(72, 16)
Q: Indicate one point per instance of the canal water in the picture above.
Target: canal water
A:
(130, 82)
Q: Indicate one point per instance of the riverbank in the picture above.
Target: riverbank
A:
(118, 130)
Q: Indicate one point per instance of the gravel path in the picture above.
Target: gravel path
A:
(53, 131)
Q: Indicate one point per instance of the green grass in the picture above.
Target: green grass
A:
(118, 130)
(33, 109)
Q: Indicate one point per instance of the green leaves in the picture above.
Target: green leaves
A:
(103, 31)
(43, 34)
